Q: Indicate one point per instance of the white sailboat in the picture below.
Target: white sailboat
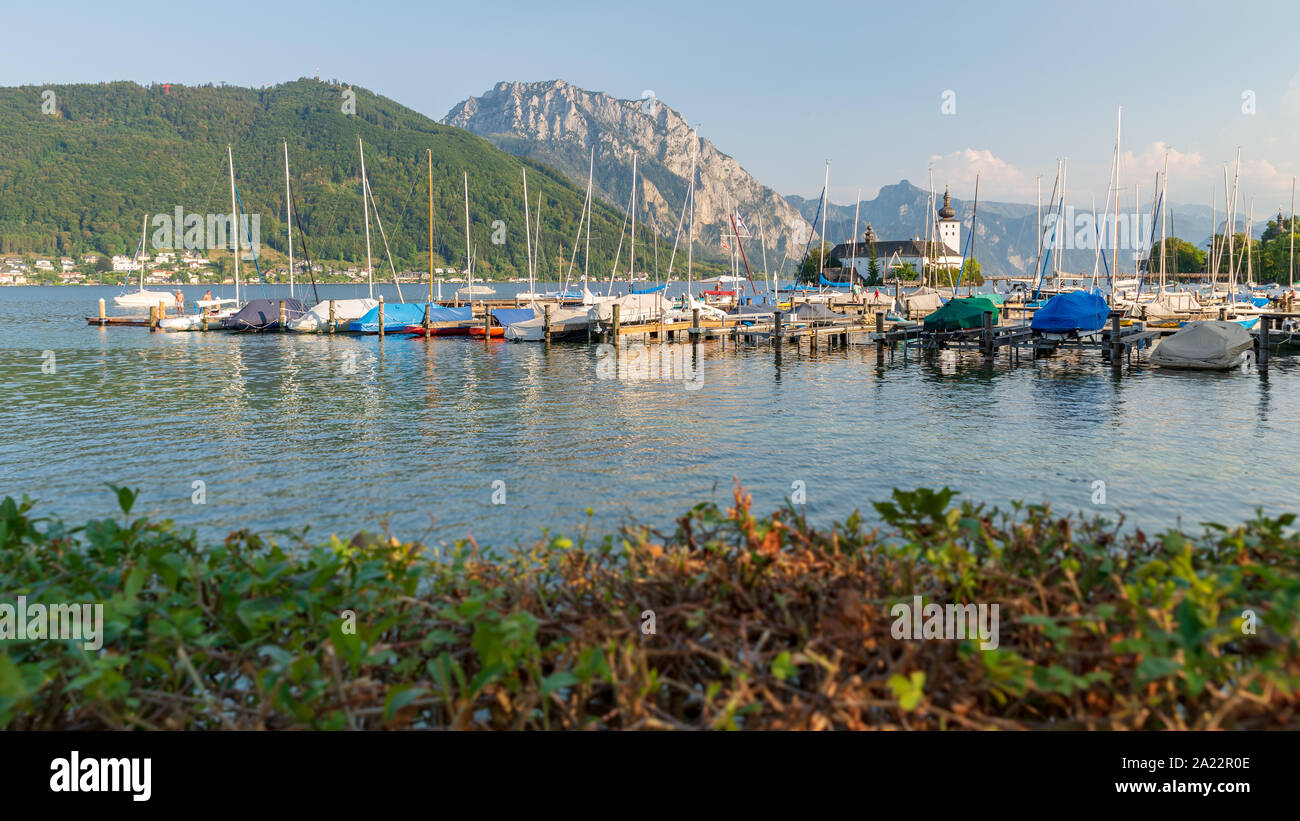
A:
(141, 300)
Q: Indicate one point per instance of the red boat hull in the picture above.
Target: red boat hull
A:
(418, 331)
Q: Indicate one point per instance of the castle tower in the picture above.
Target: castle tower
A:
(949, 227)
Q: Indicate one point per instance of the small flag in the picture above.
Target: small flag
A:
(740, 223)
(725, 246)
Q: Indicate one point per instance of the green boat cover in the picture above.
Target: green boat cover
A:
(956, 314)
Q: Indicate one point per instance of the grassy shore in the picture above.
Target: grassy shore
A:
(729, 621)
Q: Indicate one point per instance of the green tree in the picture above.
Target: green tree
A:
(906, 272)
(970, 275)
(1181, 257)
(809, 271)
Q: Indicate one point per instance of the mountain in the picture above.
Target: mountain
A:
(81, 177)
(1005, 241)
(559, 124)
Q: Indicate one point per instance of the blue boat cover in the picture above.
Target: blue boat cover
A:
(833, 284)
(508, 316)
(1074, 311)
(1260, 301)
(651, 290)
(397, 315)
(263, 314)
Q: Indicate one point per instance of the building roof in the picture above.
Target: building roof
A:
(887, 248)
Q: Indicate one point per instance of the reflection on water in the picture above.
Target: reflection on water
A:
(341, 432)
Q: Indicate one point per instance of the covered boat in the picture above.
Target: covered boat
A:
(398, 315)
(503, 318)
(921, 302)
(566, 323)
(442, 322)
(961, 313)
(631, 308)
(263, 315)
(317, 320)
(1206, 345)
(1072, 313)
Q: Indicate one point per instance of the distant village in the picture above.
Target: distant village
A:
(184, 267)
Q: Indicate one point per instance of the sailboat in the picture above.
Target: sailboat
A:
(397, 315)
(635, 306)
(257, 314)
(437, 320)
(317, 320)
(141, 300)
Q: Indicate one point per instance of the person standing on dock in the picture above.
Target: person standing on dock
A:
(180, 303)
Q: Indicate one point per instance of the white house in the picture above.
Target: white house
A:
(44, 264)
(121, 262)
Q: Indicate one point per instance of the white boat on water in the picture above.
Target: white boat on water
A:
(142, 300)
(210, 311)
(476, 290)
(1207, 345)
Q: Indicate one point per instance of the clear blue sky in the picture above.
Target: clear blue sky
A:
(782, 87)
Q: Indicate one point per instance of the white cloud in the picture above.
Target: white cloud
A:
(999, 179)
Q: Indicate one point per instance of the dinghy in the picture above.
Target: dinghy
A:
(1206, 345)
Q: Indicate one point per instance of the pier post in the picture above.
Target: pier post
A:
(281, 316)
(546, 322)
(880, 337)
(1264, 322)
(203, 323)
(426, 323)
(381, 315)
(334, 323)
(986, 335)
(487, 327)
(1223, 314)
(776, 327)
(1116, 343)
(102, 315)
(614, 320)
(153, 318)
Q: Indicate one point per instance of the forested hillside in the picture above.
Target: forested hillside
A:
(81, 177)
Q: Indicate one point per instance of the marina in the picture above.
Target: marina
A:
(323, 412)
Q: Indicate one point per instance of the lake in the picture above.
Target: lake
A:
(345, 433)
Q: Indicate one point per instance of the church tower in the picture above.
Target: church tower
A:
(949, 227)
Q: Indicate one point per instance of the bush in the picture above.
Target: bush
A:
(758, 622)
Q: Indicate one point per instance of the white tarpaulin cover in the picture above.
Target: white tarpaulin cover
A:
(923, 301)
(631, 308)
(345, 310)
(534, 330)
(1209, 345)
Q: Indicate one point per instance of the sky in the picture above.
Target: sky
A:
(883, 91)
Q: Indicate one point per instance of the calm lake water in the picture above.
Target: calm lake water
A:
(347, 433)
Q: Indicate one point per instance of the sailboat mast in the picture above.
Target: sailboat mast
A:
(586, 255)
(144, 229)
(1292, 280)
(1164, 240)
(690, 234)
(853, 264)
(234, 224)
(430, 222)
(469, 254)
(365, 206)
(631, 266)
(826, 198)
(1114, 271)
(528, 235)
(288, 214)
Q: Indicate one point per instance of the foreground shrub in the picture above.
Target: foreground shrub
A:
(758, 622)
